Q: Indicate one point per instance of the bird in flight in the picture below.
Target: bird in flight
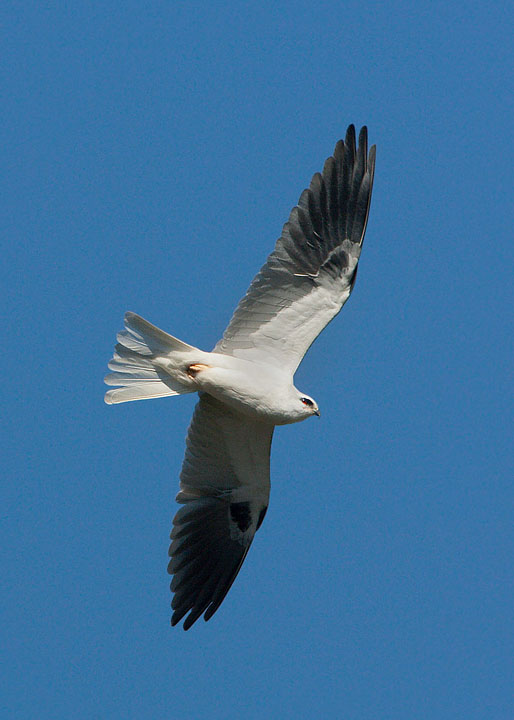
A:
(245, 384)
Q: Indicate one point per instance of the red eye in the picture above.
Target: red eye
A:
(307, 402)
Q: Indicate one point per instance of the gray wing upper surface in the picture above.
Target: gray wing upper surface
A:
(311, 272)
(224, 488)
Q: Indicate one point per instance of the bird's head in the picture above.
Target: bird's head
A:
(307, 406)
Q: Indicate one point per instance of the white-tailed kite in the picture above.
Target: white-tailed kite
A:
(246, 383)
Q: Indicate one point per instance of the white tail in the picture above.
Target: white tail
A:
(139, 359)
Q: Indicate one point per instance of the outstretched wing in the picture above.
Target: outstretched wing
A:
(310, 274)
(224, 486)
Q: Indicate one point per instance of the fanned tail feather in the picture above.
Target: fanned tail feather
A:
(133, 367)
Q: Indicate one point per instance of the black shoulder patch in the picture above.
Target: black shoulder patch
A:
(262, 515)
(241, 515)
(354, 278)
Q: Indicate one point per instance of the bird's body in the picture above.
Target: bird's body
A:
(256, 390)
(246, 383)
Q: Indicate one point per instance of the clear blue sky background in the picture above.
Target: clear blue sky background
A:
(152, 152)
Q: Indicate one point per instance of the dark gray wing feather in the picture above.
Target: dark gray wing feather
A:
(205, 561)
(311, 272)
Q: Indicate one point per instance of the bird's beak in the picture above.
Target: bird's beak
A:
(317, 412)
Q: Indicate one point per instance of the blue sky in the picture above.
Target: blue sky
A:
(152, 152)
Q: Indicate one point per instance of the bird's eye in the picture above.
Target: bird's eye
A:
(307, 402)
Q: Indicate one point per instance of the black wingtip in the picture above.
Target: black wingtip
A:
(350, 135)
(372, 156)
(351, 143)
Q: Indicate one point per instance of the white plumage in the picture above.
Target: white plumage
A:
(246, 383)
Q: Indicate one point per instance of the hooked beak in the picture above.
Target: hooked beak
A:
(317, 412)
